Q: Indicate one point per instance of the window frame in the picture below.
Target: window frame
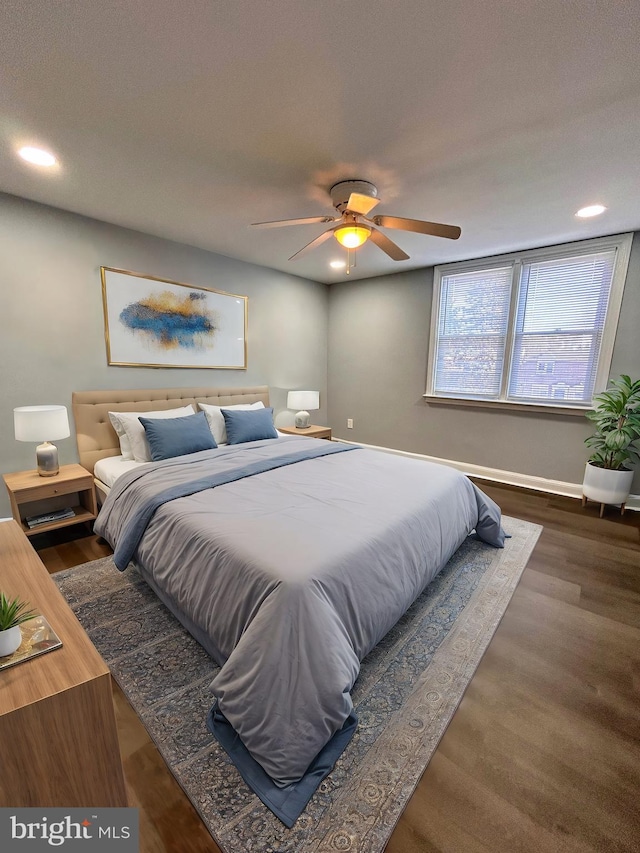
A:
(620, 242)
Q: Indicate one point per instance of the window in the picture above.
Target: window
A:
(533, 328)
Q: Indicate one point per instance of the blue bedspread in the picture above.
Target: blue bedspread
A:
(290, 576)
(137, 522)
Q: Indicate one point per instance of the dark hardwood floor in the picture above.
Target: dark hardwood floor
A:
(543, 754)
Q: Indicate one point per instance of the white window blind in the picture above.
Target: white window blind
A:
(532, 328)
(472, 330)
(562, 307)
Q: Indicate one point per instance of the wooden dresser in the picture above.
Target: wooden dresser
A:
(58, 736)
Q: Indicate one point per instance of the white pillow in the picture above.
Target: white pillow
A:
(125, 446)
(130, 429)
(216, 418)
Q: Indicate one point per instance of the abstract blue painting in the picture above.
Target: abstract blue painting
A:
(155, 322)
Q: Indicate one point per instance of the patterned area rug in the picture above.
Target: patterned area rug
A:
(408, 689)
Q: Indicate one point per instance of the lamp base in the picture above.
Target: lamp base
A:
(302, 420)
(47, 459)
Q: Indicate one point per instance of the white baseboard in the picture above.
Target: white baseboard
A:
(511, 478)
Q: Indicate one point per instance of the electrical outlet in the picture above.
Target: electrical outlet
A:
(349, 423)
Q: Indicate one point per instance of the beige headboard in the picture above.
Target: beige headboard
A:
(96, 437)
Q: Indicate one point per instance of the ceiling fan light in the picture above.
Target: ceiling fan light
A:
(352, 236)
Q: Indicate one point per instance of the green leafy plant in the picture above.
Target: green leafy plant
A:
(13, 612)
(617, 421)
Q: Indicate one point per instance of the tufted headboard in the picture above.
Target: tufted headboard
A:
(97, 439)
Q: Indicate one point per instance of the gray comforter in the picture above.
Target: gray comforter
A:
(291, 576)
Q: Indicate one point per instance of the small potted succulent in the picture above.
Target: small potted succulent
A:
(12, 614)
(614, 445)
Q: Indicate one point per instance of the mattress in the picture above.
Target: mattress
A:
(289, 564)
(108, 470)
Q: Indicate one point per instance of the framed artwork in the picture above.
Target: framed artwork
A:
(154, 322)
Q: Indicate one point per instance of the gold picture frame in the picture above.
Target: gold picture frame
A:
(156, 322)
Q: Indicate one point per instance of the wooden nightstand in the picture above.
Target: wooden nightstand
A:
(30, 494)
(310, 432)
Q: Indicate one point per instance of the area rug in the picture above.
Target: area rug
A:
(408, 689)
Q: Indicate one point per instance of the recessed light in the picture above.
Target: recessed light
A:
(37, 156)
(591, 210)
(337, 265)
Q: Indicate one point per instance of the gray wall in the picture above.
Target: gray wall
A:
(52, 343)
(52, 329)
(378, 344)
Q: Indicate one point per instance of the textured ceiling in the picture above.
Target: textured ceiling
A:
(192, 120)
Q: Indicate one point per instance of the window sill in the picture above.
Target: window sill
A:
(522, 408)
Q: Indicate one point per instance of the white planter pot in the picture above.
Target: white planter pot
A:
(605, 486)
(10, 640)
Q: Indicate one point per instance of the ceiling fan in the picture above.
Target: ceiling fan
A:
(354, 200)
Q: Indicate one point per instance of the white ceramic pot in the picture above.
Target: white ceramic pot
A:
(605, 486)
(10, 640)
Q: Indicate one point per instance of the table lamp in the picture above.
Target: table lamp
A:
(42, 423)
(303, 400)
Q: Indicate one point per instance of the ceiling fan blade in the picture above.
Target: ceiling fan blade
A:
(359, 203)
(388, 246)
(309, 220)
(324, 236)
(435, 229)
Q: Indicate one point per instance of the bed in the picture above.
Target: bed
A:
(96, 438)
(287, 559)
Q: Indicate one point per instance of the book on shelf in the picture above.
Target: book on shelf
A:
(49, 517)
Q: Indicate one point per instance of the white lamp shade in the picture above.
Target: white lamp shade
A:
(41, 423)
(303, 400)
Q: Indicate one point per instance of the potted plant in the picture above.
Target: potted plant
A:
(12, 615)
(614, 448)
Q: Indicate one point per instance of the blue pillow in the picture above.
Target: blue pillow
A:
(170, 437)
(249, 425)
